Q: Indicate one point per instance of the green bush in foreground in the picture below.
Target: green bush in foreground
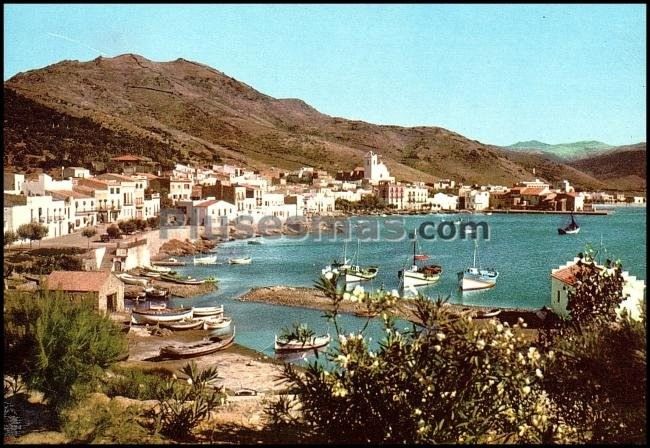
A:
(55, 341)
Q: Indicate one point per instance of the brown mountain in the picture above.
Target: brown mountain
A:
(74, 112)
(622, 167)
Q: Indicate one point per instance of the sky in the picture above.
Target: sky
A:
(494, 73)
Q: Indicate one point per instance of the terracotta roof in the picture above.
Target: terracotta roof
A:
(92, 183)
(148, 175)
(533, 191)
(212, 202)
(568, 274)
(78, 281)
(114, 176)
(64, 194)
(83, 190)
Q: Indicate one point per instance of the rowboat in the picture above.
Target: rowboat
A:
(158, 269)
(201, 348)
(170, 262)
(207, 260)
(492, 313)
(181, 280)
(151, 274)
(204, 311)
(165, 315)
(133, 280)
(188, 324)
(156, 293)
(294, 345)
(215, 324)
(242, 260)
(157, 306)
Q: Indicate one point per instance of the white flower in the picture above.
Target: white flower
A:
(480, 344)
(394, 293)
(440, 336)
(437, 348)
(346, 296)
(358, 290)
(342, 339)
(538, 373)
(329, 275)
(174, 376)
(418, 411)
(520, 320)
(189, 381)
(499, 328)
(453, 394)
(525, 390)
(551, 354)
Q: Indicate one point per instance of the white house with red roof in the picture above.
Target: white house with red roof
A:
(563, 280)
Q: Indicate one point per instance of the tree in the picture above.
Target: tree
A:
(153, 222)
(32, 231)
(444, 380)
(140, 224)
(127, 226)
(58, 343)
(10, 238)
(89, 232)
(113, 231)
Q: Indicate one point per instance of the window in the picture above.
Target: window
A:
(558, 297)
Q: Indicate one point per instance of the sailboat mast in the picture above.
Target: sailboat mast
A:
(475, 248)
(414, 243)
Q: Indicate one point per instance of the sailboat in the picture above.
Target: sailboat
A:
(356, 273)
(419, 275)
(570, 228)
(476, 278)
(337, 266)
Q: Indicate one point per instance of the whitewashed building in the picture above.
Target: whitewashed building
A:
(563, 280)
(442, 201)
(374, 170)
(55, 214)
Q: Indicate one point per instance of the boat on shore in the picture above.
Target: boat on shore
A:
(169, 262)
(240, 260)
(292, 345)
(181, 280)
(570, 229)
(181, 325)
(151, 274)
(217, 323)
(255, 242)
(474, 277)
(149, 316)
(207, 311)
(200, 348)
(132, 280)
(207, 260)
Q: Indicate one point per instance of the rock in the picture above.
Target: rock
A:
(42, 438)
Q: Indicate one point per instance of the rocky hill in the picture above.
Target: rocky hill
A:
(73, 112)
(562, 151)
(623, 167)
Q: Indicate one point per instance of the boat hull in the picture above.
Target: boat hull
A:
(295, 346)
(199, 349)
(419, 279)
(568, 232)
(160, 316)
(217, 324)
(240, 260)
(471, 283)
(180, 326)
(207, 311)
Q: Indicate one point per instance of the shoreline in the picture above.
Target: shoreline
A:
(312, 298)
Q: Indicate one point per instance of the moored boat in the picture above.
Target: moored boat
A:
(474, 277)
(156, 293)
(207, 260)
(570, 229)
(357, 273)
(200, 348)
(158, 269)
(181, 280)
(169, 262)
(240, 260)
(288, 345)
(419, 275)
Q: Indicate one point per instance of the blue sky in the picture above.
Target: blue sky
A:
(495, 73)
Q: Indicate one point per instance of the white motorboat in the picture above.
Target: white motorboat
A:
(241, 260)
(207, 260)
(419, 275)
(150, 316)
(207, 311)
(357, 273)
(133, 280)
(218, 323)
(315, 342)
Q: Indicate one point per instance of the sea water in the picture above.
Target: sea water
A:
(523, 248)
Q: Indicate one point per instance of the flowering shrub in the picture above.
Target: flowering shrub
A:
(447, 380)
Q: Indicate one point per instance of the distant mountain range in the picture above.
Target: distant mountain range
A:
(73, 113)
(563, 151)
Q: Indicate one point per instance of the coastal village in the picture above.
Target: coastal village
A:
(141, 215)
